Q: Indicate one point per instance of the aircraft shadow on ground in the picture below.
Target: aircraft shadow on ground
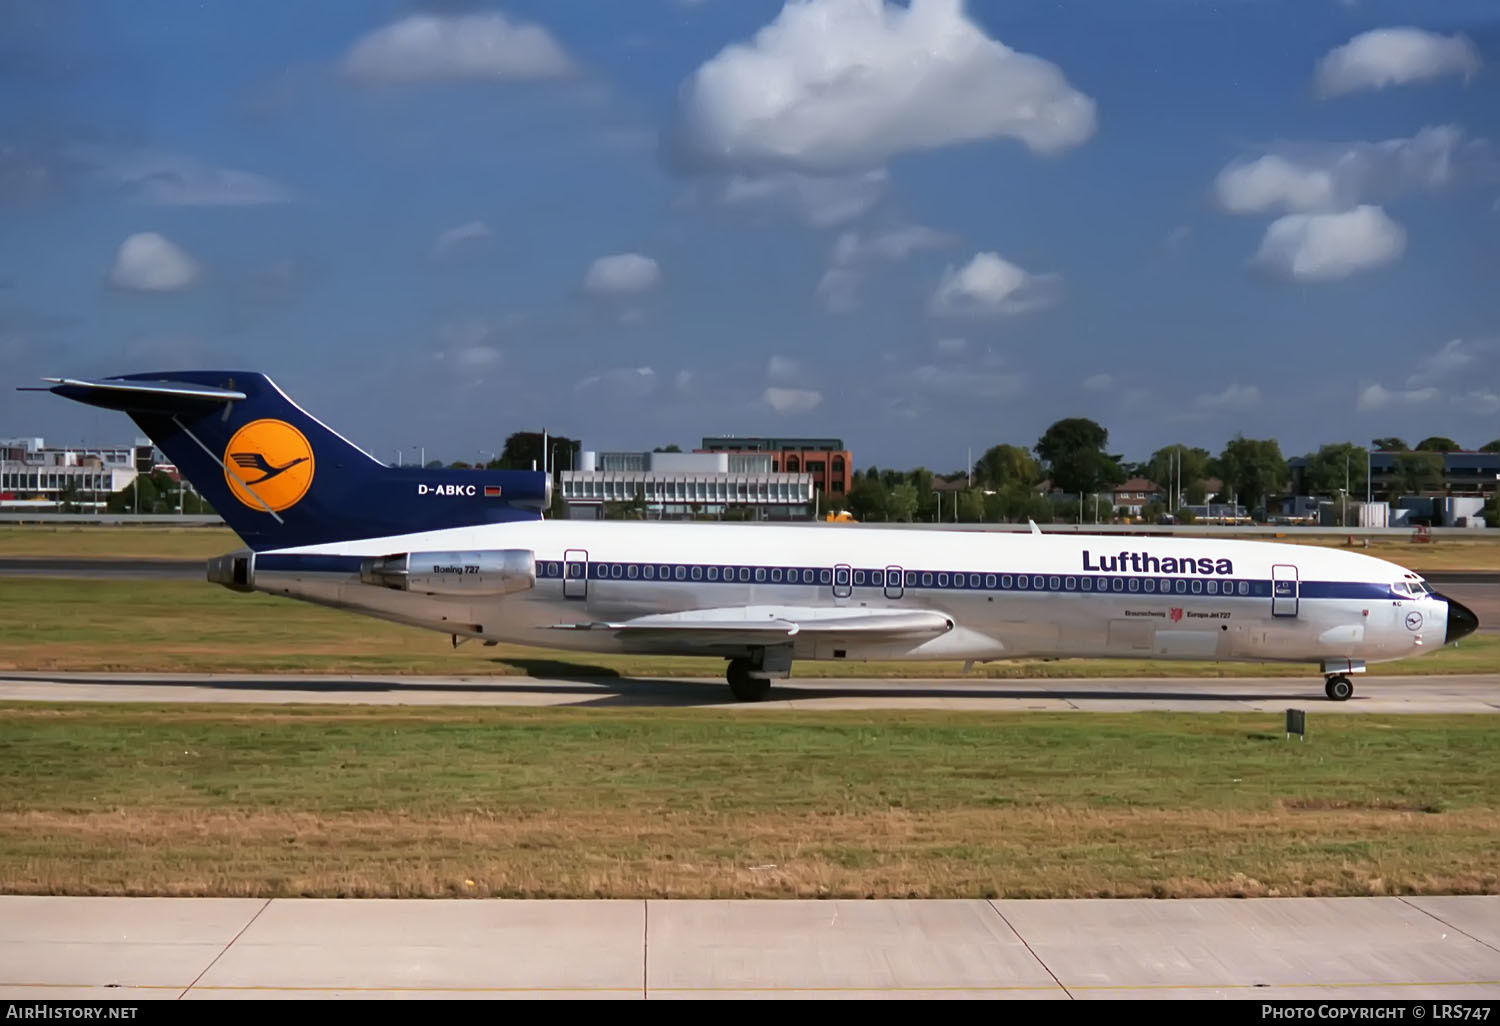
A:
(599, 686)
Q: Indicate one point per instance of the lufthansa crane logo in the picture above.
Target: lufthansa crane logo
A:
(268, 464)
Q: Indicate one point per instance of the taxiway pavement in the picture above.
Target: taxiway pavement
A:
(1467, 693)
(140, 949)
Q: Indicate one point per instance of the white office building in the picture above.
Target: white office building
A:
(680, 485)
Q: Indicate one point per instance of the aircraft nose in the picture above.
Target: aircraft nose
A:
(1461, 620)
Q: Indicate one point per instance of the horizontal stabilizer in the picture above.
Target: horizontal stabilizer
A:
(140, 396)
(771, 624)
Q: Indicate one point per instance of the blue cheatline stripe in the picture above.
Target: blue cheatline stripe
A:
(873, 578)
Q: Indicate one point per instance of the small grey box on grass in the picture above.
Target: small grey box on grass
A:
(1296, 723)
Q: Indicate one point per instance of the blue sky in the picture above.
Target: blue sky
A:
(924, 229)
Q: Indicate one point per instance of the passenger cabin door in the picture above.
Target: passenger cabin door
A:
(1285, 590)
(893, 586)
(843, 581)
(576, 574)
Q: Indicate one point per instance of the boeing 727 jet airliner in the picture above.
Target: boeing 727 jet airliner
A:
(469, 554)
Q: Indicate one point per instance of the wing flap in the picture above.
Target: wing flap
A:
(748, 625)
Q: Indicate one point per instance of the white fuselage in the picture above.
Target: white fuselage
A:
(1010, 595)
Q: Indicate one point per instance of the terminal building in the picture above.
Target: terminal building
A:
(681, 486)
(35, 476)
(824, 459)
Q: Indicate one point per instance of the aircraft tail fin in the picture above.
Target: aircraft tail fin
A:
(280, 478)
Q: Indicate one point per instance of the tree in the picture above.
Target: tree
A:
(902, 502)
(524, 447)
(1252, 468)
(1329, 467)
(1491, 446)
(1437, 443)
(670, 448)
(971, 506)
(1189, 467)
(1073, 451)
(1007, 464)
(1389, 445)
(867, 496)
(1415, 472)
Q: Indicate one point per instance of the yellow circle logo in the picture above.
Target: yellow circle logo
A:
(268, 463)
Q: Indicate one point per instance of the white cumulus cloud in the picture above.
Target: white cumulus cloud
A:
(622, 274)
(620, 382)
(453, 238)
(1235, 397)
(176, 179)
(783, 368)
(1394, 56)
(848, 84)
(1378, 397)
(1099, 382)
(1336, 176)
(989, 284)
(1484, 402)
(821, 201)
(150, 263)
(839, 287)
(966, 381)
(792, 400)
(1326, 247)
(430, 47)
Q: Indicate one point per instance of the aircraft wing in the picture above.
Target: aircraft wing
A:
(749, 625)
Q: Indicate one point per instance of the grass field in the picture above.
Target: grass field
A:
(125, 542)
(187, 800)
(187, 626)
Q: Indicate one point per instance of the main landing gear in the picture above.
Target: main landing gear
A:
(743, 686)
(1338, 687)
(750, 678)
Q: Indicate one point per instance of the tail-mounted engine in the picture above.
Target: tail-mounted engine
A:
(467, 574)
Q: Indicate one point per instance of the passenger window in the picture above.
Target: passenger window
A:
(824, 577)
(1054, 583)
(649, 572)
(1244, 587)
(1005, 581)
(877, 578)
(859, 577)
(807, 577)
(1197, 587)
(666, 573)
(776, 575)
(616, 570)
(680, 573)
(1036, 582)
(926, 579)
(1181, 587)
(911, 578)
(1213, 587)
(1151, 584)
(1021, 583)
(713, 573)
(1088, 584)
(760, 573)
(973, 580)
(1072, 582)
(1135, 584)
(1119, 584)
(697, 573)
(1166, 585)
(989, 580)
(942, 580)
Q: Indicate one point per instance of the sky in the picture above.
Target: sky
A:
(925, 228)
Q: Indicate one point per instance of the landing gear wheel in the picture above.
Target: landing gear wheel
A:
(744, 687)
(1339, 688)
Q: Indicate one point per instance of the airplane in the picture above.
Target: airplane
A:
(470, 553)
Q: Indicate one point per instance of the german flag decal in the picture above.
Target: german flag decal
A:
(492, 491)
